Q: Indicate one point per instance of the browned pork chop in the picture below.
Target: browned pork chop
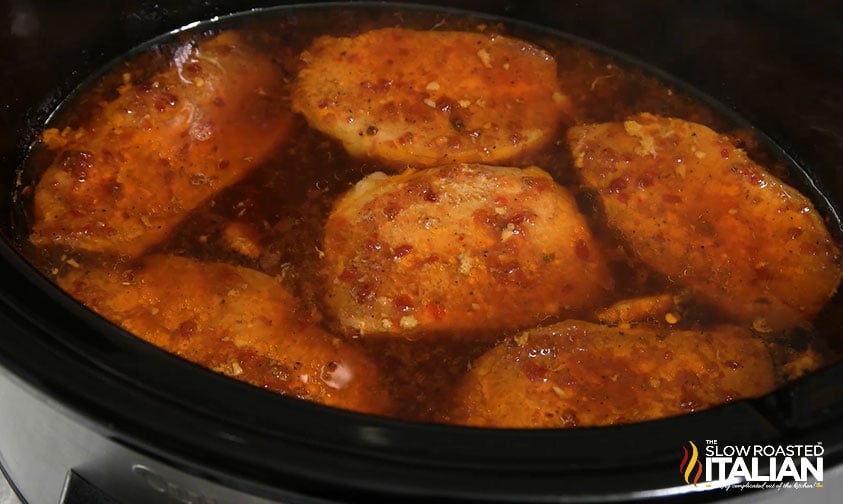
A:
(425, 98)
(128, 175)
(233, 320)
(582, 374)
(459, 249)
(694, 207)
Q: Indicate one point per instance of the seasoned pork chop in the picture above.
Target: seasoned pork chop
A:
(233, 320)
(460, 249)
(426, 98)
(122, 180)
(694, 207)
(581, 374)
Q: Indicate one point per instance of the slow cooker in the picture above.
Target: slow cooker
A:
(89, 413)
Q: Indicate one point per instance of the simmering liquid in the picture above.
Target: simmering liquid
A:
(272, 219)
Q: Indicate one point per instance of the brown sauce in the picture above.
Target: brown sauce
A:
(286, 201)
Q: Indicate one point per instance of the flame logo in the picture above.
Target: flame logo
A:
(686, 467)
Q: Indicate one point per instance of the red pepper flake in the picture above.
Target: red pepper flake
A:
(77, 164)
(518, 219)
(645, 180)
(794, 233)
(362, 292)
(445, 105)
(186, 328)
(617, 185)
(115, 189)
(672, 198)
(348, 276)
(724, 153)
(509, 272)
(391, 211)
(401, 251)
(192, 69)
(534, 372)
(537, 184)
(403, 304)
(163, 100)
(405, 139)
(755, 178)
(373, 245)
(753, 175)
(581, 250)
(144, 88)
(429, 195)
